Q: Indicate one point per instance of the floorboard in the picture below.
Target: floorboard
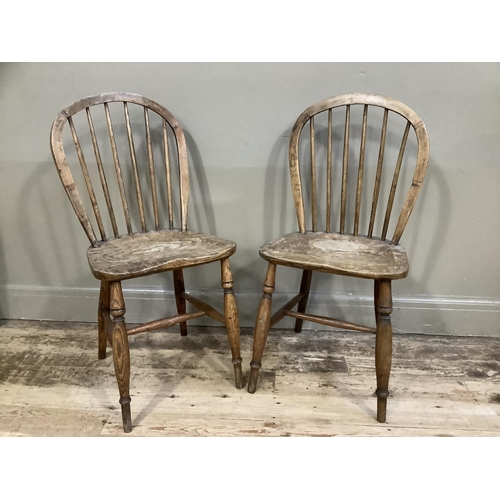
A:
(316, 383)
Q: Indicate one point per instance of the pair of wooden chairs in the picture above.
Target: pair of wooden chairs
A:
(156, 236)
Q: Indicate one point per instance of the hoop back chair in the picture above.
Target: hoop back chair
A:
(347, 251)
(156, 245)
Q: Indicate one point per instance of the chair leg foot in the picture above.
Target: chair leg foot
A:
(382, 405)
(254, 375)
(238, 373)
(126, 415)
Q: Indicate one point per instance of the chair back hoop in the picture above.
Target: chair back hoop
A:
(389, 106)
(169, 128)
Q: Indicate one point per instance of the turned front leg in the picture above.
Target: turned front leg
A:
(232, 321)
(262, 326)
(383, 347)
(121, 353)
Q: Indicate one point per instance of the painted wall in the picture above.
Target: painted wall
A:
(238, 117)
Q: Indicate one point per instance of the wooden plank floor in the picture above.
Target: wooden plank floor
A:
(317, 383)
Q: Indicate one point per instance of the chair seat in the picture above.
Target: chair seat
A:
(339, 254)
(141, 254)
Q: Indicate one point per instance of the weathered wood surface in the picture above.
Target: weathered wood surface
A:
(133, 255)
(58, 153)
(262, 326)
(369, 256)
(338, 253)
(147, 253)
(349, 101)
(232, 321)
(313, 384)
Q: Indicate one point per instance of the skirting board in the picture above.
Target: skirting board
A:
(478, 316)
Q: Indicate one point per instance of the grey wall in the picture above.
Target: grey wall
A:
(238, 119)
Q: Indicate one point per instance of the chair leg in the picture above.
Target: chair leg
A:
(383, 347)
(121, 353)
(103, 319)
(262, 326)
(180, 301)
(305, 286)
(232, 321)
(376, 292)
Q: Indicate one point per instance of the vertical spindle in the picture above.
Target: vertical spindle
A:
(329, 174)
(133, 158)
(102, 175)
(359, 186)
(168, 177)
(395, 179)
(118, 170)
(88, 181)
(313, 175)
(345, 162)
(376, 188)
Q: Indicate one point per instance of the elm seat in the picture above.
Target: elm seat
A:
(131, 256)
(339, 254)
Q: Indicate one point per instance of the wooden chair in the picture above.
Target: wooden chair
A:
(157, 244)
(347, 251)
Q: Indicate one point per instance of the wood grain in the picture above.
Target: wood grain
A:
(121, 352)
(118, 169)
(262, 326)
(142, 254)
(345, 167)
(365, 100)
(88, 182)
(336, 323)
(206, 308)
(104, 328)
(180, 300)
(394, 185)
(324, 383)
(282, 311)
(151, 164)
(383, 347)
(232, 320)
(135, 170)
(343, 254)
(314, 202)
(355, 254)
(378, 176)
(126, 256)
(305, 286)
(164, 322)
(361, 168)
(329, 148)
(168, 176)
(127, 100)
(102, 174)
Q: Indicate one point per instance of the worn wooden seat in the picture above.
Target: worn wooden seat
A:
(346, 150)
(339, 254)
(138, 163)
(131, 256)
